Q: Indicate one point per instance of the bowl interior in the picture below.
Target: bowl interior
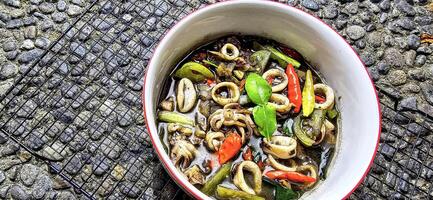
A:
(322, 47)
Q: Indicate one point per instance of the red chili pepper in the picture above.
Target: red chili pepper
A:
(261, 165)
(294, 88)
(291, 176)
(210, 82)
(320, 99)
(247, 154)
(292, 53)
(270, 79)
(229, 148)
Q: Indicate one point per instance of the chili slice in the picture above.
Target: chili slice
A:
(247, 154)
(291, 176)
(229, 148)
(293, 88)
(319, 99)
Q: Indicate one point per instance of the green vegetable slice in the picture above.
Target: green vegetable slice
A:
(258, 89)
(258, 46)
(300, 134)
(282, 59)
(266, 119)
(227, 193)
(332, 113)
(172, 117)
(288, 127)
(285, 194)
(260, 59)
(316, 121)
(211, 185)
(210, 63)
(194, 71)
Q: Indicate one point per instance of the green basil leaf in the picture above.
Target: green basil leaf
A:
(258, 89)
(285, 194)
(266, 119)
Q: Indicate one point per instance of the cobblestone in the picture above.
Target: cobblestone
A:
(385, 34)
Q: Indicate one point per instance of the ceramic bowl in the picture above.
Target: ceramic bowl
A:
(340, 66)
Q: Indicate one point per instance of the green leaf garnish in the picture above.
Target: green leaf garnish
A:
(285, 194)
(258, 89)
(266, 119)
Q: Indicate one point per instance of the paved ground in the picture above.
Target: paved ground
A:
(385, 33)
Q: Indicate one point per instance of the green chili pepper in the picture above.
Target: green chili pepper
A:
(194, 71)
(211, 185)
(282, 59)
(308, 98)
(300, 134)
(227, 193)
(172, 117)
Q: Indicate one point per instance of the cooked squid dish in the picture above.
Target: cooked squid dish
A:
(245, 117)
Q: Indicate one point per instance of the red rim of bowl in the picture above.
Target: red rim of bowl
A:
(172, 173)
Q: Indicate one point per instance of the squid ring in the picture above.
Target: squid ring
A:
(233, 90)
(329, 93)
(224, 54)
(183, 152)
(280, 146)
(275, 164)
(214, 139)
(311, 169)
(186, 95)
(234, 51)
(239, 179)
(282, 103)
(279, 73)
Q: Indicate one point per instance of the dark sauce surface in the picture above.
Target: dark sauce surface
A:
(319, 155)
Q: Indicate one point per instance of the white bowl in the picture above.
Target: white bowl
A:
(321, 45)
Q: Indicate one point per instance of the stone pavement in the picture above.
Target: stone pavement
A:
(385, 33)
